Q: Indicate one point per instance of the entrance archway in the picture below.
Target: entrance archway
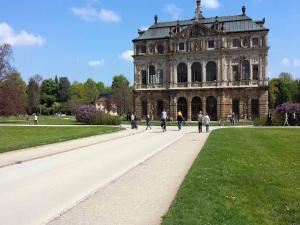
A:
(236, 107)
(196, 108)
(211, 108)
(182, 106)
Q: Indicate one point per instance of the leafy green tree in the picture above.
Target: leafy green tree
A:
(49, 92)
(63, 89)
(101, 87)
(34, 94)
(122, 94)
(91, 90)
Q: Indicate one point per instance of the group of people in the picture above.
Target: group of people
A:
(202, 120)
(288, 119)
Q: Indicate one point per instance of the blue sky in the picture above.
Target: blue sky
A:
(91, 38)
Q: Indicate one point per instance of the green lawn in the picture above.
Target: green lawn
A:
(242, 177)
(42, 120)
(13, 138)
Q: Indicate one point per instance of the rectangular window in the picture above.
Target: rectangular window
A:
(211, 44)
(143, 49)
(181, 46)
(144, 77)
(236, 43)
(255, 41)
(236, 73)
(160, 49)
(255, 72)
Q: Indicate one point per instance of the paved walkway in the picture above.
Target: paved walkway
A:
(90, 173)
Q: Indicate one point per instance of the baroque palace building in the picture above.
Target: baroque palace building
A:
(216, 65)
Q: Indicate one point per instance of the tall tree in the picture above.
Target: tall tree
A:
(12, 95)
(63, 89)
(34, 93)
(101, 87)
(5, 56)
(122, 94)
(49, 92)
(91, 90)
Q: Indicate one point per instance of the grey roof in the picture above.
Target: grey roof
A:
(239, 23)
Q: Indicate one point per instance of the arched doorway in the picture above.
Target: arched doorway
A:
(182, 73)
(196, 72)
(211, 71)
(182, 106)
(211, 108)
(196, 108)
(236, 107)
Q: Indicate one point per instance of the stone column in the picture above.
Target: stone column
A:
(175, 75)
(251, 72)
(189, 111)
(263, 104)
(241, 116)
(189, 67)
(203, 71)
(203, 101)
(219, 72)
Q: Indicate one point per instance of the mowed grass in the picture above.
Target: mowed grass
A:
(242, 177)
(13, 138)
(42, 120)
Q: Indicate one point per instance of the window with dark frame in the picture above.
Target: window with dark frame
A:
(236, 43)
(211, 44)
(236, 73)
(255, 41)
(181, 46)
(255, 72)
(160, 49)
(143, 49)
(144, 77)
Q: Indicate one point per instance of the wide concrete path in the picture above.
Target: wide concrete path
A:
(38, 190)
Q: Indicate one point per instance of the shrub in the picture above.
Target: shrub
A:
(101, 118)
(85, 113)
(277, 119)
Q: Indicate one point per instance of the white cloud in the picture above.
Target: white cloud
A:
(211, 4)
(127, 56)
(173, 10)
(296, 63)
(290, 62)
(96, 63)
(286, 61)
(22, 39)
(90, 14)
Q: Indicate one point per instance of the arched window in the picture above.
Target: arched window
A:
(152, 74)
(182, 73)
(211, 108)
(196, 72)
(211, 71)
(182, 106)
(196, 107)
(160, 49)
(246, 70)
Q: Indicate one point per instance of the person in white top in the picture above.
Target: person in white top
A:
(164, 117)
(35, 119)
(207, 122)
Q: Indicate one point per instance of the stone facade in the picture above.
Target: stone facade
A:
(216, 65)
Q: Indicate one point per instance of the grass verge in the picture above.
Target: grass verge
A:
(13, 138)
(242, 177)
(42, 120)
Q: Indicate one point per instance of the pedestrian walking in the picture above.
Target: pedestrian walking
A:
(200, 122)
(294, 118)
(270, 120)
(148, 122)
(207, 122)
(164, 117)
(35, 119)
(179, 120)
(133, 121)
(232, 119)
(286, 119)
